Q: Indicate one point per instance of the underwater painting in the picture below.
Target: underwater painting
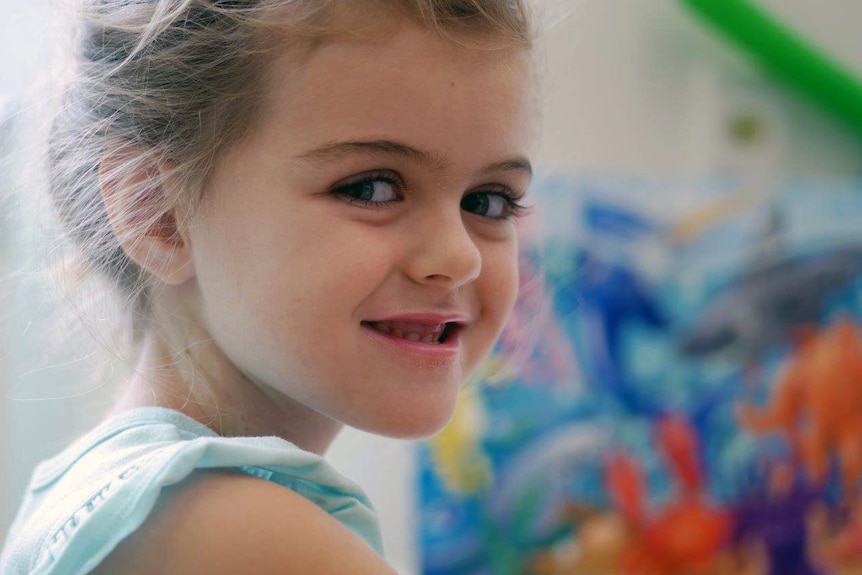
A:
(679, 391)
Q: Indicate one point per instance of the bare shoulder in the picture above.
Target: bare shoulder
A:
(219, 522)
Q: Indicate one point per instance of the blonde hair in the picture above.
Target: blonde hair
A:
(180, 80)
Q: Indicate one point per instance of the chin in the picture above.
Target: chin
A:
(413, 424)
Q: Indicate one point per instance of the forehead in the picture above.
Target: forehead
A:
(409, 81)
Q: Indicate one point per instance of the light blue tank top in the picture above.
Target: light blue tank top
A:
(83, 502)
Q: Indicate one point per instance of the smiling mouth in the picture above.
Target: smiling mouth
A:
(434, 334)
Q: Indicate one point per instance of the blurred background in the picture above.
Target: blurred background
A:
(643, 99)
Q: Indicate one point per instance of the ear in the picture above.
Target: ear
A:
(134, 191)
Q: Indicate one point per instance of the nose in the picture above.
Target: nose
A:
(443, 251)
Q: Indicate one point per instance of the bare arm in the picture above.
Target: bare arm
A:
(222, 523)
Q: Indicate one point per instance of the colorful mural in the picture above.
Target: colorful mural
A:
(681, 391)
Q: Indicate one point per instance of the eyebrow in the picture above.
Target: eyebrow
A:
(336, 150)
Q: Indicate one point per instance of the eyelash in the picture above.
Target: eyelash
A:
(514, 207)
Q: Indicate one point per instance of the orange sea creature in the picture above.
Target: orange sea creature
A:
(817, 403)
(688, 536)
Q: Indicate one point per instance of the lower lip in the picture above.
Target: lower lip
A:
(448, 349)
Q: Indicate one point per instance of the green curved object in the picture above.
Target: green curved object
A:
(787, 56)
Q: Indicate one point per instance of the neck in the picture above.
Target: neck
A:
(183, 369)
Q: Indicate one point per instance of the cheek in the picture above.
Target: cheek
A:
(500, 282)
(324, 280)
(497, 290)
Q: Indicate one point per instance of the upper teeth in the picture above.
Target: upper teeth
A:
(411, 330)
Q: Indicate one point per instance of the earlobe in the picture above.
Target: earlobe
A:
(142, 215)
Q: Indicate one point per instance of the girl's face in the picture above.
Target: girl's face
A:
(373, 206)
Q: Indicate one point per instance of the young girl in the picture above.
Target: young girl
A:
(310, 205)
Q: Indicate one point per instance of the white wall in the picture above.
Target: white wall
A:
(23, 51)
(638, 85)
(633, 86)
(4, 258)
(23, 30)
